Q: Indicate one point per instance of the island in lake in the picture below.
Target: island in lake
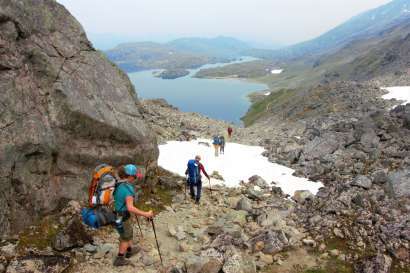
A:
(170, 74)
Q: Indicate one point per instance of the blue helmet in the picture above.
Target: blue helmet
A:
(130, 170)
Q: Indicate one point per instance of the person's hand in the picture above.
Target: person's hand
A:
(149, 214)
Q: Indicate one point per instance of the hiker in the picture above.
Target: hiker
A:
(230, 130)
(124, 195)
(222, 144)
(216, 143)
(194, 169)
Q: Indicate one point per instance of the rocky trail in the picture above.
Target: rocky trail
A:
(233, 230)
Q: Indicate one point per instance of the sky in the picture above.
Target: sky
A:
(263, 22)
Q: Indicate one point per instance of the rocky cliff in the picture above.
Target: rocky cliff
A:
(63, 109)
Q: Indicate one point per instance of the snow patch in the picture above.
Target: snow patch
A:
(401, 93)
(237, 164)
(276, 71)
(267, 93)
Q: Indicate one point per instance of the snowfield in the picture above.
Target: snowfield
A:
(238, 163)
(398, 92)
(276, 71)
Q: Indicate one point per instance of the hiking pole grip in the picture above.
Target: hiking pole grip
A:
(138, 222)
(156, 239)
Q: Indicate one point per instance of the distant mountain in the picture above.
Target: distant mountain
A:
(361, 26)
(219, 47)
(184, 53)
(383, 58)
(133, 57)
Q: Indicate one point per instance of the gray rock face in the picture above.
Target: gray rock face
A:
(63, 110)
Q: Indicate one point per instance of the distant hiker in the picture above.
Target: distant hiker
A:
(124, 197)
(194, 169)
(230, 130)
(216, 143)
(222, 144)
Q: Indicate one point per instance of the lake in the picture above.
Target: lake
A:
(224, 99)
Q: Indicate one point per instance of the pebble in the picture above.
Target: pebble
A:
(338, 233)
(90, 248)
(184, 247)
(147, 260)
(309, 242)
(259, 246)
(334, 252)
(322, 247)
(267, 259)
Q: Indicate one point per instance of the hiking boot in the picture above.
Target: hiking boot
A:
(197, 202)
(132, 252)
(121, 261)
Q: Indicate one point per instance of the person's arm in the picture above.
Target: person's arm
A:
(129, 200)
(186, 172)
(202, 168)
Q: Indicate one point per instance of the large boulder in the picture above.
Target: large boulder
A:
(362, 181)
(376, 264)
(64, 110)
(72, 235)
(400, 182)
(321, 146)
(272, 241)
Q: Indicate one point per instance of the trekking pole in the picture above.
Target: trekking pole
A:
(210, 188)
(156, 240)
(138, 222)
(186, 185)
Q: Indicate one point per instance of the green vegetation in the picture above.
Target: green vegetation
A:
(260, 108)
(40, 235)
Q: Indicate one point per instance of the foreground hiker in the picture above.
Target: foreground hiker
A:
(193, 171)
(124, 196)
(222, 144)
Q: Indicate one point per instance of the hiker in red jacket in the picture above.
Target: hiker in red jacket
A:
(230, 130)
(193, 171)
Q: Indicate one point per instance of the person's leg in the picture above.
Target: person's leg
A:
(126, 236)
(192, 190)
(199, 190)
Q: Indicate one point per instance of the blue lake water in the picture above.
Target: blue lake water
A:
(224, 99)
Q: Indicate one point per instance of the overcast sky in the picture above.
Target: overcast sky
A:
(263, 21)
